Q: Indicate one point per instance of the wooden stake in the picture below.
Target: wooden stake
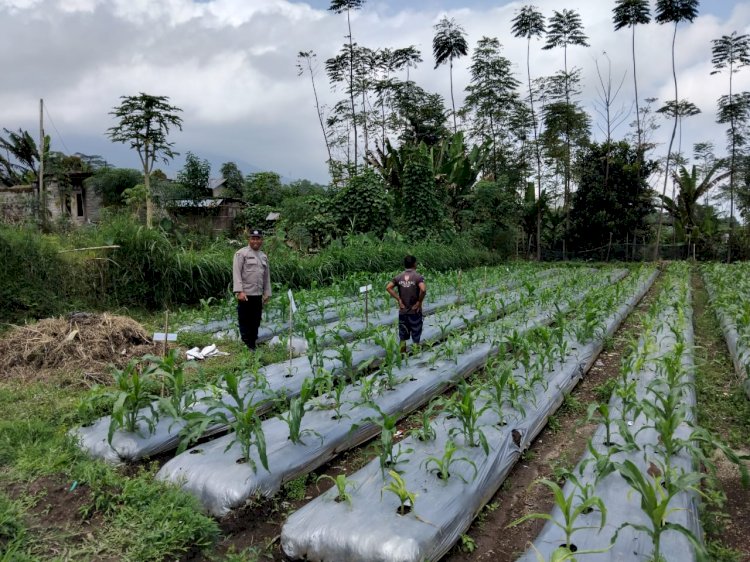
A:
(609, 246)
(166, 333)
(291, 328)
(459, 285)
(367, 316)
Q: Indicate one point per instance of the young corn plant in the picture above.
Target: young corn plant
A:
(425, 431)
(464, 406)
(133, 400)
(293, 416)
(241, 416)
(393, 358)
(342, 484)
(656, 494)
(571, 508)
(601, 413)
(443, 464)
(180, 398)
(388, 453)
(397, 486)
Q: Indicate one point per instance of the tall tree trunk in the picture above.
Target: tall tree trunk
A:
(669, 150)
(538, 157)
(351, 85)
(566, 187)
(731, 168)
(453, 103)
(639, 133)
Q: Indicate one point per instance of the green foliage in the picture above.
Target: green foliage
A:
(397, 486)
(110, 183)
(342, 483)
(133, 393)
(194, 178)
(263, 188)
(234, 183)
(421, 207)
(613, 195)
(363, 204)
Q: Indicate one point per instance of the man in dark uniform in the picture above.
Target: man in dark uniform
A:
(251, 284)
(409, 289)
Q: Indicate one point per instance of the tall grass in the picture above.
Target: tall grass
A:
(151, 269)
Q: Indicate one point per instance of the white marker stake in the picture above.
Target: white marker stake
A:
(292, 310)
(366, 290)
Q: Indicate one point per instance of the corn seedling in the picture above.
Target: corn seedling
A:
(241, 416)
(172, 375)
(293, 416)
(131, 396)
(425, 431)
(388, 454)
(464, 407)
(601, 413)
(342, 483)
(397, 486)
(442, 465)
(571, 508)
(656, 494)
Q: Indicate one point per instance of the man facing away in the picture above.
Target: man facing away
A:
(251, 283)
(409, 289)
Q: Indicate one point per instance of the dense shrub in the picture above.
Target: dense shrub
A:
(35, 279)
(151, 269)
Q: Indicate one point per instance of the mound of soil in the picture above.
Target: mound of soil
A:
(78, 342)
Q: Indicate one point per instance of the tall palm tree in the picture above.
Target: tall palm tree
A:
(672, 11)
(731, 52)
(629, 13)
(528, 23)
(449, 43)
(339, 7)
(565, 28)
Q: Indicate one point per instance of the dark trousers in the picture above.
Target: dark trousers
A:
(249, 313)
(410, 326)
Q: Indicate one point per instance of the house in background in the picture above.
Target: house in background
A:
(73, 201)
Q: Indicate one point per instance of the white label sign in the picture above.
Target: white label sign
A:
(291, 301)
(365, 288)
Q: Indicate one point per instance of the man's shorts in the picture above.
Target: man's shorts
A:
(410, 326)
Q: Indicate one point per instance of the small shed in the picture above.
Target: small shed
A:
(209, 215)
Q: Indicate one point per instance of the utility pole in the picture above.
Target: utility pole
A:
(42, 193)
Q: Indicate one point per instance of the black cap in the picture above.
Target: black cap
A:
(255, 233)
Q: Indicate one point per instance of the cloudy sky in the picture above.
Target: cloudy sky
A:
(230, 65)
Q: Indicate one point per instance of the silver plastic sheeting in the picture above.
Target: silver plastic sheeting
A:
(380, 314)
(737, 350)
(622, 502)
(283, 378)
(211, 472)
(370, 528)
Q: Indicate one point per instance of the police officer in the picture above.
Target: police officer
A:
(252, 286)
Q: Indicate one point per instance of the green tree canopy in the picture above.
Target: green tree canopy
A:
(144, 122)
(110, 183)
(621, 207)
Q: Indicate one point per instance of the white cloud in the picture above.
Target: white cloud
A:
(230, 65)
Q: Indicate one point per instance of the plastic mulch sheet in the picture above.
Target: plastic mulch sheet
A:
(370, 528)
(285, 378)
(381, 313)
(621, 501)
(211, 472)
(737, 350)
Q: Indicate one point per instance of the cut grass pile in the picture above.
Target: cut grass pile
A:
(79, 341)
